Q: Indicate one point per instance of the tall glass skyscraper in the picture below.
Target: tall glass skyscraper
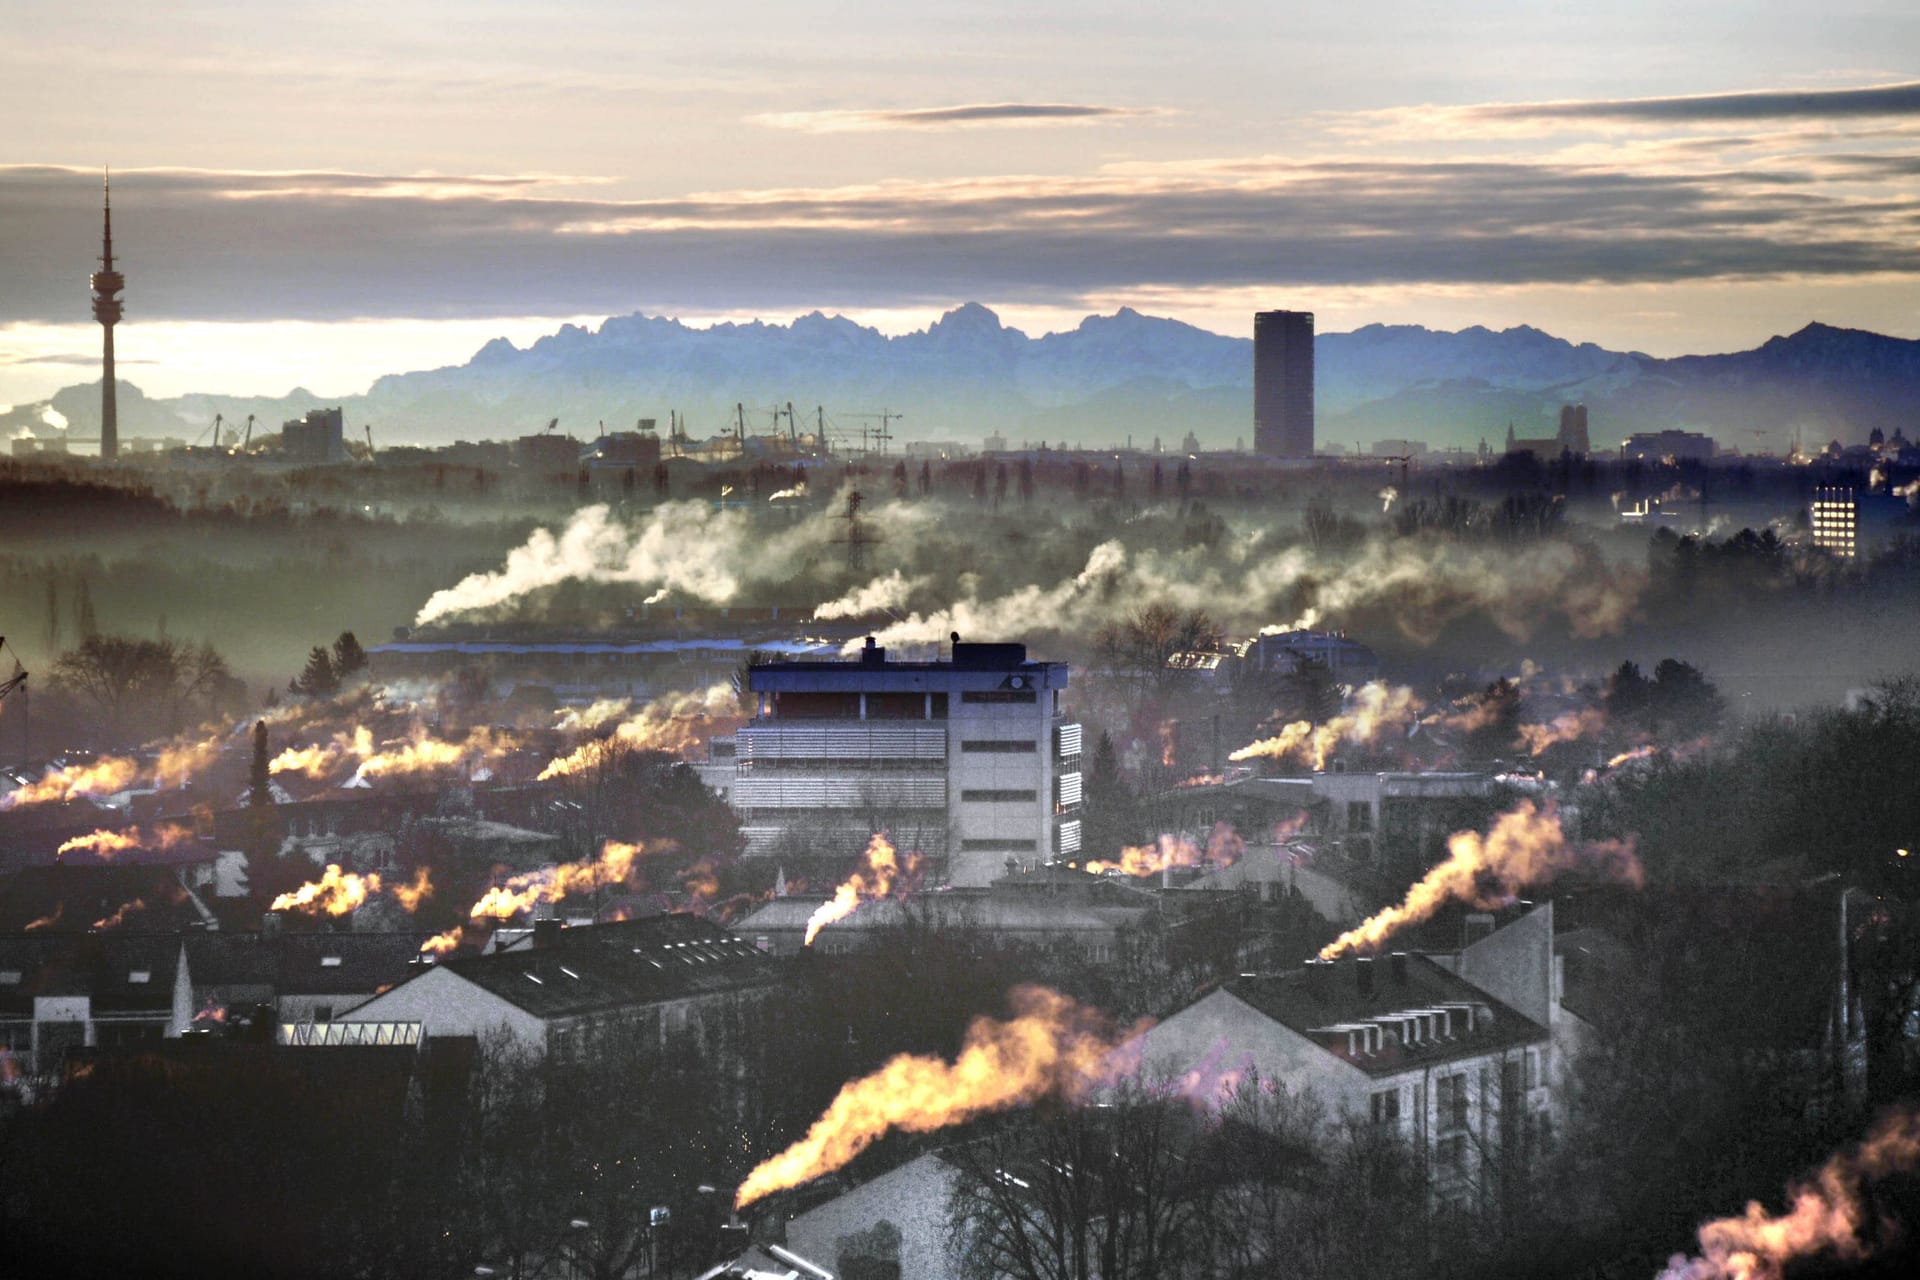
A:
(1283, 383)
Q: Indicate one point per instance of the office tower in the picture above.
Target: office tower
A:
(1283, 383)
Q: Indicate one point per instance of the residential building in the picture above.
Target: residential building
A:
(1283, 384)
(678, 979)
(968, 761)
(1398, 1041)
(66, 992)
(1347, 660)
(1050, 907)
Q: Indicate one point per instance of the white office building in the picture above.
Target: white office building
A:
(968, 761)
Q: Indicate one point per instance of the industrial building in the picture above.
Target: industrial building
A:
(1283, 384)
(1836, 522)
(318, 439)
(967, 761)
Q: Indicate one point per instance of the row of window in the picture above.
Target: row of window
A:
(990, 796)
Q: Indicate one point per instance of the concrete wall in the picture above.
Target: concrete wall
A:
(913, 1198)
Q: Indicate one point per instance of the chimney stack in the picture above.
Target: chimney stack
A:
(1398, 962)
(1319, 976)
(546, 932)
(1363, 974)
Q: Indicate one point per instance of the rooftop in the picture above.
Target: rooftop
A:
(601, 967)
(1413, 1012)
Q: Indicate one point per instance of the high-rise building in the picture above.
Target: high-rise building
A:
(1836, 522)
(1283, 383)
(107, 284)
(968, 762)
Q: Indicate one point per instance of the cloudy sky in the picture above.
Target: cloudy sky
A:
(313, 193)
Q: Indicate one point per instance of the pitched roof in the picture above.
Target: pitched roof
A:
(602, 967)
(1322, 1000)
(304, 963)
(954, 909)
(107, 967)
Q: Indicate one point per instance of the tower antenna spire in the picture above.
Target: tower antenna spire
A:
(107, 284)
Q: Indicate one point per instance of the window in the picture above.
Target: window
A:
(1451, 1154)
(1533, 1068)
(329, 962)
(999, 695)
(1450, 1097)
(140, 975)
(1359, 815)
(323, 1013)
(1386, 1106)
(998, 845)
(999, 797)
(9, 977)
(1000, 746)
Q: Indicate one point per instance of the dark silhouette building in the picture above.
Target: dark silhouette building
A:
(319, 438)
(107, 284)
(1283, 383)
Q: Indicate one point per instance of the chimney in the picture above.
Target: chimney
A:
(1363, 975)
(546, 932)
(1319, 978)
(1398, 963)
(270, 924)
(873, 655)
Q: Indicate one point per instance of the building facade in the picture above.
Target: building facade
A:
(1283, 384)
(968, 761)
(1836, 522)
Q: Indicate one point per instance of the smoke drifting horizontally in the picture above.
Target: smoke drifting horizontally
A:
(882, 869)
(1526, 848)
(1825, 1216)
(1052, 1047)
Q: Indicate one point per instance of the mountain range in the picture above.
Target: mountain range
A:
(1125, 375)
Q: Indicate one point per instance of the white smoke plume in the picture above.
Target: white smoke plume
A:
(888, 592)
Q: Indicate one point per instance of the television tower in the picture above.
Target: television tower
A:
(107, 284)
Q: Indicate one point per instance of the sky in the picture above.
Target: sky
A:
(311, 194)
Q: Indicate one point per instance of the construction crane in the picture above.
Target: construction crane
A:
(247, 443)
(17, 682)
(214, 430)
(368, 428)
(870, 437)
(551, 424)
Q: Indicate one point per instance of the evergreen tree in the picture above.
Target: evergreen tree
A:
(317, 679)
(349, 659)
(262, 789)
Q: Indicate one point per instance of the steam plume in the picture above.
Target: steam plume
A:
(676, 722)
(1224, 848)
(106, 843)
(1568, 726)
(1378, 709)
(335, 893)
(550, 884)
(104, 776)
(1526, 847)
(119, 916)
(1052, 1047)
(1825, 1216)
(875, 879)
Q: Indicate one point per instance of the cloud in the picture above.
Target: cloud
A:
(313, 245)
(964, 116)
(1761, 104)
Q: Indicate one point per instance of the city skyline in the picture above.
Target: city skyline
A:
(394, 194)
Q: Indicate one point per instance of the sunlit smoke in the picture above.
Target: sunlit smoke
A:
(1827, 1216)
(686, 548)
(1568, 726)
(797, 491)
(880, 871)
(442, 943)
(105, 844)
(550, 884)
(1638, 753)
(412, 894)
(595, 715)
(181, 759)
(1224, 847)
(119, 916)
(886, 593)
(46, 921)
(1526, 848)
(1388, 496)
(1378, 709)
(335, 893)
(679, 723)
(1051, 1047)
(104, 776)
(418, 752)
